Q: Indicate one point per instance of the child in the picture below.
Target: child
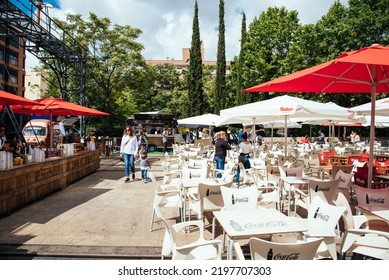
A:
(144, 164)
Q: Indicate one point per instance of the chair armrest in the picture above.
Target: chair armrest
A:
(183, 225)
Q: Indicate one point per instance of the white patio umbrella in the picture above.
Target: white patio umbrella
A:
(282, 108)
(381, 108)
(279, 124)
(201, 120)
(206, 120)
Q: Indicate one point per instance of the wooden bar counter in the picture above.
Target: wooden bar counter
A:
(25, 183)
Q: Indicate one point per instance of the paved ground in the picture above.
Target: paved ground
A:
(98, 215)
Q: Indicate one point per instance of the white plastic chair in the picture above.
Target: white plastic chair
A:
(373, 199)
(267, 250)
(201, 249)
(208, 199)
(321, 222)
(268, 191)
(345, 183)
(235, 199)
(165, 198)
(359, 240)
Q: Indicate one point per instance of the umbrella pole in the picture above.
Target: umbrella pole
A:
(286, 135)
(372, 129)
(51, 132)
(253, 136)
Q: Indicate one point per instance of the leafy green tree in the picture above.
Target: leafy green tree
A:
(240, 96)
(268, 41)
(195, 75)
(115, 68)
(220, 93)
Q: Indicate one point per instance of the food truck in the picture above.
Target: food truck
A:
(154, 124)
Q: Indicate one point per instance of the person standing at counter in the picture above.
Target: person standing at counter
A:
(164, 139)
(128, 151)
(2, 135)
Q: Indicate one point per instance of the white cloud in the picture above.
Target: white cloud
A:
(167, 24)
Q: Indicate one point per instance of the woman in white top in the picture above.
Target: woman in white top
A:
(128, 151)
(245, 148)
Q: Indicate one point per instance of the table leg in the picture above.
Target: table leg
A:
(230, 248)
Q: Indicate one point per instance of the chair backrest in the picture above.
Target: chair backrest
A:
(282, 160)
(291, 172)
(257, 162)
(156, 186)
(344, 178)
(323, 217)
(210, 197)
(344, 168)
(345, 182)
(198, 163)
(272, 172)
(266, 250)
(324, 189)
(373, 199)
(341, 200)
(243, 198)
(194, 173)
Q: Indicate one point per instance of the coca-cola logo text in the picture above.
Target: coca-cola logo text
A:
(292, 256)
(323, 217)
(268, 224)
(376, 200)
(241, 200)
(213, 193)
(326, 189)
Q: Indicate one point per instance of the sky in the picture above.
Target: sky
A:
(167, 24)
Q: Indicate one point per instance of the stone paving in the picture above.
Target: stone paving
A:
(97, 214)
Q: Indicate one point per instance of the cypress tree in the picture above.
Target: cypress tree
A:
(240, 96)
(220, 93)
(195, 77)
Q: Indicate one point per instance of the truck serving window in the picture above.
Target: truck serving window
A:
(39, 131)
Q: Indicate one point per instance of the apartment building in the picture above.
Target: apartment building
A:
(12, 62)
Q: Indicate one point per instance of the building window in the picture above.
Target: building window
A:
(13, 59)
(13, 79)
(1, 55)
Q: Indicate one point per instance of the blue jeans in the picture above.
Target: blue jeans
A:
(129, 163)
(219, 164)
(246, 164)
(143, 173)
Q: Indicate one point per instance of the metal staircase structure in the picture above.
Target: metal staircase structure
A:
(46, 40)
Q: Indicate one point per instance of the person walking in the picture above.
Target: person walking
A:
(221, 147)
(245, 148)
(142, 140)
(321, 137)
(144, 164)
(164, 139)
(128, 151)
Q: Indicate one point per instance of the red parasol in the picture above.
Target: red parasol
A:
(362, 71)
(57, 107)
(13, 99)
